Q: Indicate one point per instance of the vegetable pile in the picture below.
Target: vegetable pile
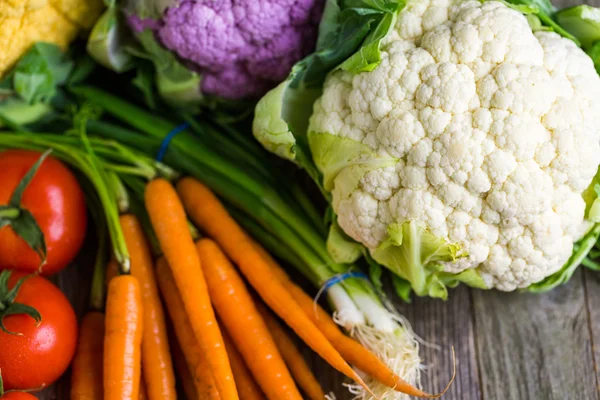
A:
(263, 39)
(446, 142)
(463, 148)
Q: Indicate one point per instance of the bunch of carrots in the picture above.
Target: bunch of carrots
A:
(224, 297)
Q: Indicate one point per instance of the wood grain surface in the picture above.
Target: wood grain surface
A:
(509, 346)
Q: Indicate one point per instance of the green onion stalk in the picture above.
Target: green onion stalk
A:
(100, 161)
(279, 216)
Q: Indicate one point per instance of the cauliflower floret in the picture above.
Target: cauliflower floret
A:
(24, 22)
(495, 131)
(242, 48)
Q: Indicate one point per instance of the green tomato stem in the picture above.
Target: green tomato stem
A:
(10, 212)
(81, 160)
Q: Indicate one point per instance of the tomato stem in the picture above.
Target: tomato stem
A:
(8, 306)
(9, 212)
(78, 153)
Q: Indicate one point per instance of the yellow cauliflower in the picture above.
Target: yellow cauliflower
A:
(24, 22)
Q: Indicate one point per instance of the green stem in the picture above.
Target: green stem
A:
(309, 209)
(10, 212)
(273, 244)
(219, 141)
(190, 146)
(79, 159)
(97, 292)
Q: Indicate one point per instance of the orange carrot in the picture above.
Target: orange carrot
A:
(86, 378)
(247, 386)
(292, 357)
(112, 270)
(236, 310)
(143, 386)
(352, 351)
(156, 357)
(197, 363)
(123, 339)
(170, 225)
(184, 374)
(210, 215)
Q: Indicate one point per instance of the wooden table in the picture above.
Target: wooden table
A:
(509, 346)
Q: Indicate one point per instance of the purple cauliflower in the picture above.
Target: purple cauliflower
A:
(241, 48)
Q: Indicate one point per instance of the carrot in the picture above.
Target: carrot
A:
(123, 339)
(247, 386)
(292, 357)
(112, 270)
(352, 351)
(197, 363)
(236, 310)
(156, 357)
(184, 374)
(210, 215)
(143, 386)
(170, 225)
(86, 378)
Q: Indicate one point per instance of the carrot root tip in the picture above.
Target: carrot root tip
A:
(399, 350)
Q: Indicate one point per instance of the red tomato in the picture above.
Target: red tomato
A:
(57, 203)
(18, 396)
(42, 353)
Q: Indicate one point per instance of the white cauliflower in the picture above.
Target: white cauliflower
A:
(474, 130)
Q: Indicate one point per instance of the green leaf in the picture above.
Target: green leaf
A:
(270, 129)
(106, 43)
(590, 264)
(144, 80)
(594, 53)
(580, 251)
(84, 66)
(8, 305)
(402, 288)
(12, 293)
(15, 113)
(341, 248)
(375, 274)
(581, 21)
(592, 202)
(544, 6)
(414, 254)
(176, 84)
(368, 57)
(4, 275)
(543, 10)
(350, 34)
(17, 195)
(535, 23)
(39, 72)
(28, 229)
(153, 9)
(343, 161)
(23, 222)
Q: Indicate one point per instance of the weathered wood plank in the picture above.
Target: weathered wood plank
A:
(446, 324)
(569, 3)
(75, 282)
(592, 286)
(535, 346)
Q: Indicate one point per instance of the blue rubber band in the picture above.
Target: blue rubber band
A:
(334, 280)
(164, 146)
